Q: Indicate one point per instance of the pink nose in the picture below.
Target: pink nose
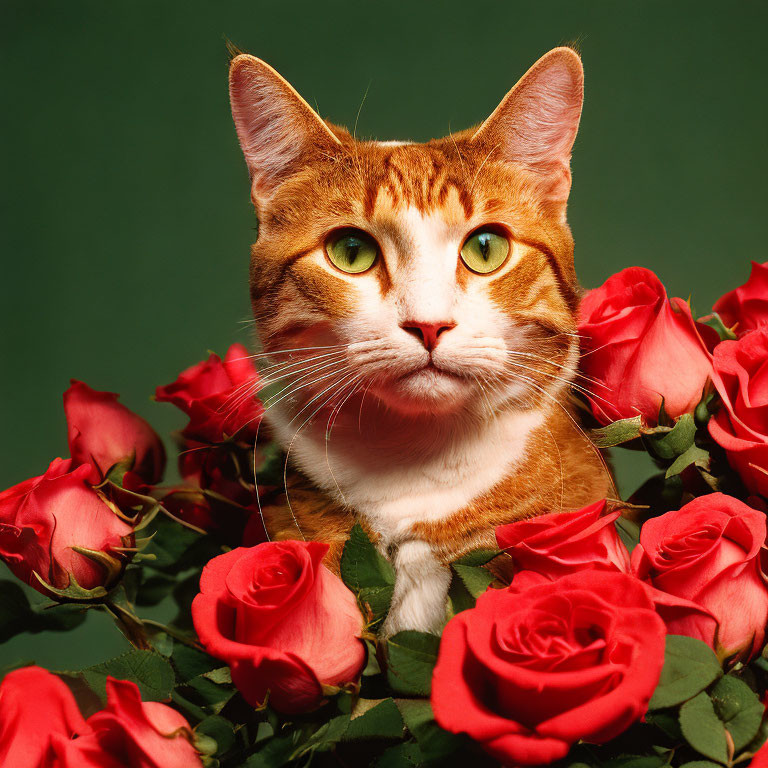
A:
(427, 333)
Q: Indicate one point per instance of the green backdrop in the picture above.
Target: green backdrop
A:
(125, 212)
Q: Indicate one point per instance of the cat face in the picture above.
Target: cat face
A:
(439, 276)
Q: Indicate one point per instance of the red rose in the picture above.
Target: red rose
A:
(214, 468)
(746, 307)
(34, 704)
(709, 552)
(103, 432)
(44, 519)
(218, 396)
(538, 666)
(41, 727)
(741, 425)
(283, 622)
(560, 543)
(642, 349)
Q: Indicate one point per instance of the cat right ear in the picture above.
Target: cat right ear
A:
(277, 129)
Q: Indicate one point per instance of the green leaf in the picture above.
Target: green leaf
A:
(715, 321)
(617, 433)
(694, 455)
(325, 737)
(689, 667)
(737, 705)
(220, 731)
(191, 662)
(667, 721)
(406, 755)
(211, 695)
(381, 721)
(702, 728)
(411, 657)
(274, 753)
(700, 764)
(149, 670)
(434, 742)
(459, 596)
(478, 557)
(667, 444)
(475, 578)
(629, 532)
(18, 615)
(367, 573)
(636, 761)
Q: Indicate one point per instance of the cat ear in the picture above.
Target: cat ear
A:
(277, 129)
(536, 122)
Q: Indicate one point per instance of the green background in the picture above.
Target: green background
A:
(125, 212)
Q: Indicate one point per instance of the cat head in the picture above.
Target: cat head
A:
(437, 276)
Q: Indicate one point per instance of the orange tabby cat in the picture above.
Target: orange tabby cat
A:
(419, 302)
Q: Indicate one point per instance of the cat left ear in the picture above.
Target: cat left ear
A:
(536, 122)
(278, 131)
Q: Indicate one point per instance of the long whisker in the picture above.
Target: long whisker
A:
(596, 450)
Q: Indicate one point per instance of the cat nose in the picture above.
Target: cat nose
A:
(427, 333)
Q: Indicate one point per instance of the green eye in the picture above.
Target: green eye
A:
(484, 251)
(352, 250)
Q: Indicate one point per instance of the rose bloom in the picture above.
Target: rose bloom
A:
(284, 624)
(218, 396)
(642, 349)
(540, 665)
(103, 432)
(43, 519)
(746, 307)
(741, 425)
(709, 552)
(560, 543)
(41, 727)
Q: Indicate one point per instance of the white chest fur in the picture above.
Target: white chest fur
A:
(394, 483)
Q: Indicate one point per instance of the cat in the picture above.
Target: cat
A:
(420, 301)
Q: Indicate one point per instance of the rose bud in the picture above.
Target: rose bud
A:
(741, 425)
(58, 527)
(642, 350)
(40, 725)
(709, 552)
(536, 667)
(746, 308)
(218, 396)
(560, 543)
(103, 432)
(282, 622)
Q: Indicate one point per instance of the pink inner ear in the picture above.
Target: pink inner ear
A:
(275, 126)
(537, 121)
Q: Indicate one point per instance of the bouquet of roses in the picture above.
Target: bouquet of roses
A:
(625, 634)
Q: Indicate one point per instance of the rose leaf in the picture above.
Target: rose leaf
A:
(737, 705)
(381, 721)
(690, 666)
(435, 743)
(478, 557)
(411, 657)
(703, 729)
(694, 455)
(618, 432)
(149, 670)
(476, 579)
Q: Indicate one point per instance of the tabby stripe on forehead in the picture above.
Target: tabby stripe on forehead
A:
(567, 290)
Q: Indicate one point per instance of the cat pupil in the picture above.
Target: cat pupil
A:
(484, 241)
(353, 248)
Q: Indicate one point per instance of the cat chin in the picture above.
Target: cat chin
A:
(426, 392)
